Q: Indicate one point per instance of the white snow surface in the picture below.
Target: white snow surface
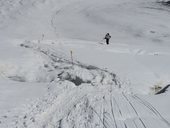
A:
(57, 72)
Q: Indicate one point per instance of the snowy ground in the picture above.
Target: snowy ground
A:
(104, 86)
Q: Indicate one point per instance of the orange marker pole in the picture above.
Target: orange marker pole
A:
(71, 52)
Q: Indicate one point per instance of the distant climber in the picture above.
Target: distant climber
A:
(107, 37)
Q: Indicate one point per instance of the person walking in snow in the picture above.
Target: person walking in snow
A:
(107, 37)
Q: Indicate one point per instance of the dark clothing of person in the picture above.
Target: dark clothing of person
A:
(107, 37)
(107, 41)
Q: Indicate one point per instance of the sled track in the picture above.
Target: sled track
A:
(142, 122)
(101, 120)
(151, 108)
(109, 117)
(111, 103)
(120, 112)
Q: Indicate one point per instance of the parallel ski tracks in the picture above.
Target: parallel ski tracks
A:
(110, 118)
(151, 108)
(136, 112)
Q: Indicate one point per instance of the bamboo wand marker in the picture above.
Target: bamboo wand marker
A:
(71, 52)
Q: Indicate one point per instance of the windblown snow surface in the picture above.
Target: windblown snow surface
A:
(57, 72)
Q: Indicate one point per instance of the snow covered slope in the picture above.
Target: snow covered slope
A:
(41, 86)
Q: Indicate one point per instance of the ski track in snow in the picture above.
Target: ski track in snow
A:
(98, 104)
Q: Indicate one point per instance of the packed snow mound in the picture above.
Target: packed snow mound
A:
(27, 70)
(47, 66)
(89, 106)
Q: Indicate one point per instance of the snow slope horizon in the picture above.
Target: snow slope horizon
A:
(145, 20)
